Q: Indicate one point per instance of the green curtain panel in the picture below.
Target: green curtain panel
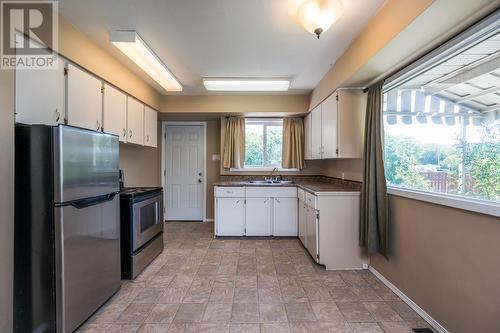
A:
(373, 231)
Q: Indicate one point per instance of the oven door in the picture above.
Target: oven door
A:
(148, 220)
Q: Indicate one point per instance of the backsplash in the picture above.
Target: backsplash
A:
(303, 178)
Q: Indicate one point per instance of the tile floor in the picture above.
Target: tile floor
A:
(199, 284)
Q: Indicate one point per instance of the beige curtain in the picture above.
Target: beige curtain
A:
(373, 231)
(293, 143)
(233, 155)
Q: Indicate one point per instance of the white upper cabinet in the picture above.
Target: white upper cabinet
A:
(351, 120)
(84, 99)
(115, 112)
(307, 137)
(337, 126)
(316, 148)
(135, 121)
(40, 96)
(329, 112)
(150, 127)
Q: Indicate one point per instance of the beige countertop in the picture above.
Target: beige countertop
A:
(309, 186)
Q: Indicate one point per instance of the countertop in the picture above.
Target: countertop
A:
(309, 186)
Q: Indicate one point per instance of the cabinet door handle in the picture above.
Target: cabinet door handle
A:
(277, 200)
(58, 115)
(124, 133)
(98, 125)
(130, 133)
(147, 138)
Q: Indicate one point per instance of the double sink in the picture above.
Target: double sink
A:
(270, 182)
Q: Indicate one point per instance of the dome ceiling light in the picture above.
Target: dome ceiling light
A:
(317, 16)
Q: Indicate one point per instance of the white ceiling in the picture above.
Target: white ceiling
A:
(224, 38)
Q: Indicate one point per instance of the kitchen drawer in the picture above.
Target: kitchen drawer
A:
(271, 192)
(310, 200)
(229, 192)
(301, 194)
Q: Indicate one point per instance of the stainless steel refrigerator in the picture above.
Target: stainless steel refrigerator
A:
(67, 226)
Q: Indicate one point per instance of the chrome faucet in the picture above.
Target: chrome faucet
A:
(271, 178)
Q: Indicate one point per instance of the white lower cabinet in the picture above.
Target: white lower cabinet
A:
(312, 232)
(329, 228)
(258, 216)
(285, 217)
(302, 221)
(230, 216)
(266, 211)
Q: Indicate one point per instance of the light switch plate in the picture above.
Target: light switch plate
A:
(215, 157)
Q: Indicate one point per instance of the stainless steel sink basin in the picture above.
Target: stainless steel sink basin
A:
(271, 182)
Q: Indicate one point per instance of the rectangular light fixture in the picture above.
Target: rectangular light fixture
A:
(132, 45)
(240, 84)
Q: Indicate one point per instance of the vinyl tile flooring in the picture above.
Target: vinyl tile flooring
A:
(202, 284)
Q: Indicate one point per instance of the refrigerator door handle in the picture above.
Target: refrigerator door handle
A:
(87, 202)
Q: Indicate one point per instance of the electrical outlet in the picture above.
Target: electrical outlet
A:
(365, 266)
(215, 157)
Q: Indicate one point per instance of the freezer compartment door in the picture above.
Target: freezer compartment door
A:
(86, 163)
(89, 257)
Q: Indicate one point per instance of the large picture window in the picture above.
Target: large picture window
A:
(263, 143)
(442, 126)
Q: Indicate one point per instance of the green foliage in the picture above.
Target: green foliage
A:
(274, 145)
(480, 174)
(254, 145)
(482, 162)
(254, 153)
(401, 158)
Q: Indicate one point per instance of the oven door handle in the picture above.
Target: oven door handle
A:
(157, 211)
(87, 202)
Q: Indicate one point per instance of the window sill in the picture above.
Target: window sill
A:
(262, 169)
(474, 205)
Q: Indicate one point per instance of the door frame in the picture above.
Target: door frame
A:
(164, 125)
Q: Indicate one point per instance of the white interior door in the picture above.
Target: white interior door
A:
(184, 178)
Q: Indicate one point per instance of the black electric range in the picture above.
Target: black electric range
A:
(141, 210)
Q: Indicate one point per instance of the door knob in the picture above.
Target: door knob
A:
(200, 181)
(199, 173)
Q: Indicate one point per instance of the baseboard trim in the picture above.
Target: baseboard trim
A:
(431, 321)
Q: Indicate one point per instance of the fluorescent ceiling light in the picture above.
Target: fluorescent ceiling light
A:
(132, 45)
(246, 84)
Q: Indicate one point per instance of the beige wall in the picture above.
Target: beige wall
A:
(446, 261)
(351, 168)
(213, 139)
(236, 103)
(6, 199)
(77, 47)
(209, 108)
(440, 257)
(394, 16)
(140, 164)
(312, 167)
